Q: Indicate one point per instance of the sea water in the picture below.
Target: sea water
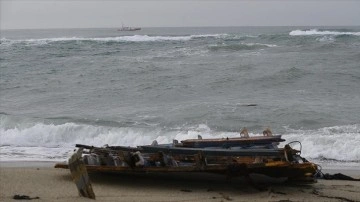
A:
(61, 87)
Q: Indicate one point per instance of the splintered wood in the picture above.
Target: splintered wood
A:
(80, 175)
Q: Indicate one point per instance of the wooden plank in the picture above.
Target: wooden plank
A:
(213, 152)
(108, 148)
(80, 176)
(232, 142)
(274, 138)
(200, 160)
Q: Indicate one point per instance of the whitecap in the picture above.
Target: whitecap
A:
(317, 32)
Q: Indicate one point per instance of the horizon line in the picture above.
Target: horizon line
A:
(212, 26)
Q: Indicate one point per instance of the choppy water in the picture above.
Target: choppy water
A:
(100, 86)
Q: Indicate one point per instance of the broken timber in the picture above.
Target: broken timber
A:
(80, 175)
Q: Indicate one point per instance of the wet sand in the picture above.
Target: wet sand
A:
(51, 184)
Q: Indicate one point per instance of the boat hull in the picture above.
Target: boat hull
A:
(293, 172)
(276, 163)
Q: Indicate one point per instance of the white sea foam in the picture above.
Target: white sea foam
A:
(326, 38)
(241, 46)
(132, 38)
(40, 141)
(339, 143)
(260, 44)
(317, 32)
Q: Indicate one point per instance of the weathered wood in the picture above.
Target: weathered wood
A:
(200, 160)
(80, 175)
(296, 171)
(108, 148)
(167, 158)
(213, 152)
(233, 142)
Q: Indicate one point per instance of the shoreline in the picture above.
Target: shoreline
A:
(52, 184)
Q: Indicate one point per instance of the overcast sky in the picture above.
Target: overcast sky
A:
(23, 14)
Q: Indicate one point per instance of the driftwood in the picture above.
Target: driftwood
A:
(80, 175)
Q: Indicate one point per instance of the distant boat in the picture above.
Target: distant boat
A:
(125, 28)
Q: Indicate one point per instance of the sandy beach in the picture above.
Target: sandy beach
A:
(51, 184)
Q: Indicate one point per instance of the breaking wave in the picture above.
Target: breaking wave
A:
(241, 46)
(32, 133)
(326, 38)
(133, 38)
(318, 32)
(339, 143)
(41, 141)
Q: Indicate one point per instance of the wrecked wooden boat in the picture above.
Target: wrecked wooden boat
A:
(232, 162)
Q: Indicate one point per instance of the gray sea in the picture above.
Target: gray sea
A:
(60, 87)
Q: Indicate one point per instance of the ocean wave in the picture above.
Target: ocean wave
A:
(32, 133)
(317, 32)
(339, 143)
(22, 140)
(283, 77)
(132, 38)
(326, 38)
(241, 46)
